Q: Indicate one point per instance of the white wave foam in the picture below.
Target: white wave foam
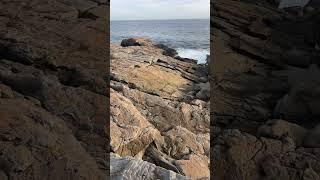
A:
(198, 54)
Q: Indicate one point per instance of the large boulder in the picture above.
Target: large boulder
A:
(127, 168)
(130, 132)
(180, 142)
(195, 166)
(167, 50)
(136, 42)
(243, 156)
(204, 93)
(33, 138)
(279, 129)
(303, 100)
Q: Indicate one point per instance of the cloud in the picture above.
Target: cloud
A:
(159, 9)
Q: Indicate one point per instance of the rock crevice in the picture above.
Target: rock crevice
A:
(157, 113)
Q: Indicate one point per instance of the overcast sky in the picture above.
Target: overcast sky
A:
(159, 9)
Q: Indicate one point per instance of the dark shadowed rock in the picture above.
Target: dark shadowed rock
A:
(32, 136)
(187, 60)
(279, 129)
(53, 89)
(264, 68)
(136, 42)
(312, 139)
(167, 50)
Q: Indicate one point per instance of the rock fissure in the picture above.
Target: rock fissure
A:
(163, 100)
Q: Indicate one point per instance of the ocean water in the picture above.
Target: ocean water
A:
(191, 38)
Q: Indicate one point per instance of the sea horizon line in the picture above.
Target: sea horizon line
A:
(157, 19)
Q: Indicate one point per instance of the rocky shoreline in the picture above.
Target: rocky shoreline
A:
(159, 111)
(265, 94)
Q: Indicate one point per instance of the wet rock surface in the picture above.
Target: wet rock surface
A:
(53, 89)
(160, 111)
(264, 94)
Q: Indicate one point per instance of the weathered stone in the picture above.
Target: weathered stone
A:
(151, 118)
(136, 42)
(187, 60)
(168, 51)
(130, 132)
(181, 142)
(264, 68)
(280, 129)
(53, 89)
(127, 168)
(204, 93)
(32, 136)
(195, 166)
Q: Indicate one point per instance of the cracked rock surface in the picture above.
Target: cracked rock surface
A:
(54, 94)
(53, 89)
(157, 114)
(127, 168)
(265, 94)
